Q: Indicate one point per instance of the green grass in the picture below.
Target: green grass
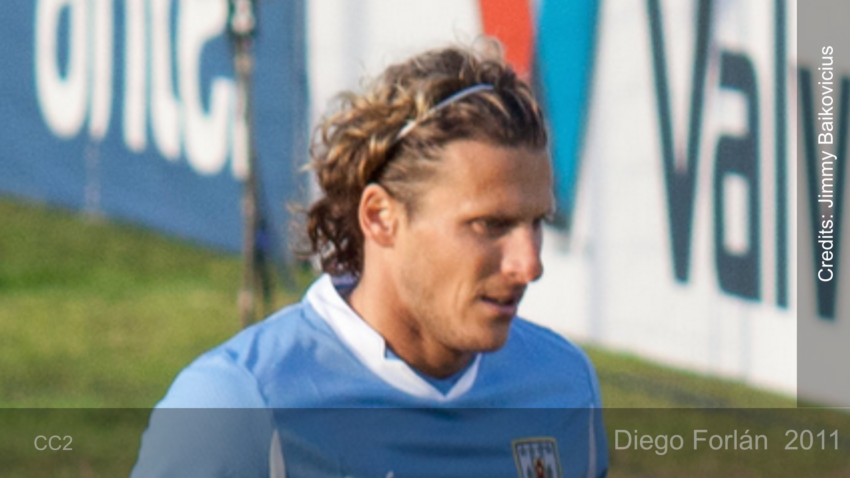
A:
(95, 314)
(630, 382)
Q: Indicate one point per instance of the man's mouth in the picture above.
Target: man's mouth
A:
(504, 304)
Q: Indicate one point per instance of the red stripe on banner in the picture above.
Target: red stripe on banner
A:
(510, 22)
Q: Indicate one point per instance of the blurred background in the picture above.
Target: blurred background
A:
(126, 151)
(151, 153)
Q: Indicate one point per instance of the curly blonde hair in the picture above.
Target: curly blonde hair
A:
(360, 143)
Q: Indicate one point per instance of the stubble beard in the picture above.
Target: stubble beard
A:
(426, 315)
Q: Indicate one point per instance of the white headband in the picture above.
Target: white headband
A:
(446, 102)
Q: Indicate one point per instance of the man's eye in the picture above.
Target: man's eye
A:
(491, 226)
(537, 223)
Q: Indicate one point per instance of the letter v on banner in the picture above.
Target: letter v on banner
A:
(681, 185)
(826, 291)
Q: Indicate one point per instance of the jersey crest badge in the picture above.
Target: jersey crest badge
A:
(537, 457)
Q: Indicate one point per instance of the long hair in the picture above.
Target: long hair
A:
(392, 134)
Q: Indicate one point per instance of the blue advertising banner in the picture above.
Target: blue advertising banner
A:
(127, 108)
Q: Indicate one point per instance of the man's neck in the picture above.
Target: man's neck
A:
(379, 305)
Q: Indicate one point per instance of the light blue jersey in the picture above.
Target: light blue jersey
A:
(312, 391)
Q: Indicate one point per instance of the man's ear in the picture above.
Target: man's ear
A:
(379, 215)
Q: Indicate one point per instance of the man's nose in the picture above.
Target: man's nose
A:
(521, 260)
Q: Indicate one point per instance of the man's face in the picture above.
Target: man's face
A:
(472, 244)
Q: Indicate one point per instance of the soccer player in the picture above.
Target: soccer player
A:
(436, 182)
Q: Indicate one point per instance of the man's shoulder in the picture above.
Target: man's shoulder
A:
(272, 339)
(237, 372)
(273, 335)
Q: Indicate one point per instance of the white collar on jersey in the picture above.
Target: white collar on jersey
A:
(368, 346)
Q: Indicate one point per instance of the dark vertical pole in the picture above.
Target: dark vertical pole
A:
(243, 25)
